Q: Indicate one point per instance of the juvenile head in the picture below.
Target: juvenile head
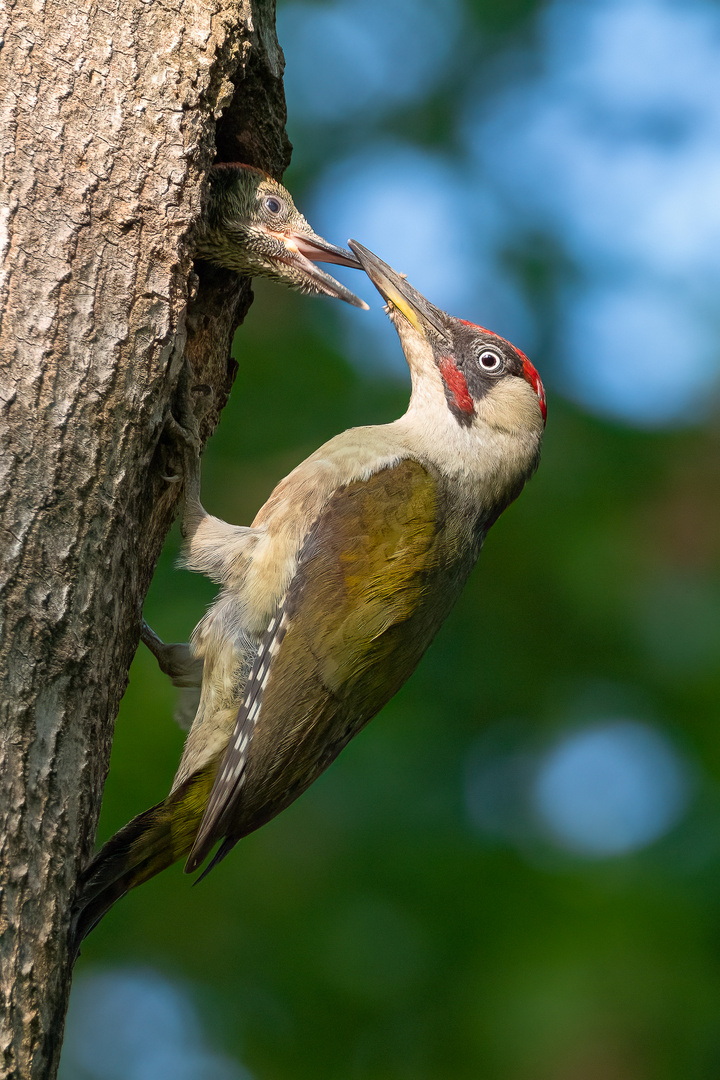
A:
(253, 227)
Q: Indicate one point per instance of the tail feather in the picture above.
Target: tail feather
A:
(146, 845)
(225, 848)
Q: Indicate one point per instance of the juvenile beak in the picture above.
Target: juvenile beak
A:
(316, 249)
(400, 294)
(304, 250)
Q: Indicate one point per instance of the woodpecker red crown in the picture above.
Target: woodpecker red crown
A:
(529, 369)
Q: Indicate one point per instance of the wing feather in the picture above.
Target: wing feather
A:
(231, 774)
(377, 574)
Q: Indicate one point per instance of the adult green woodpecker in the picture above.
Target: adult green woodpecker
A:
(332, 595)
(252, 227)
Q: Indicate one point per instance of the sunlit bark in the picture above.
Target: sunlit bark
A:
(109, 119)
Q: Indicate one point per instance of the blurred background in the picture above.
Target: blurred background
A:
(514, 872)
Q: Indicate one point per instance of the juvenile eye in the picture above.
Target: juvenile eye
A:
(490, 361)
(272, 204)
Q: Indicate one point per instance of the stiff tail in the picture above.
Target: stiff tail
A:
(145, 846)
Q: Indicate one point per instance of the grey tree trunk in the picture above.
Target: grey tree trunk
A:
(108, 117)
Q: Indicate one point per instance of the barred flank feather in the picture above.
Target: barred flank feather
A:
(146, 845)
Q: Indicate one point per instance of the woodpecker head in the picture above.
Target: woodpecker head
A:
(253, 228)
(482, 376)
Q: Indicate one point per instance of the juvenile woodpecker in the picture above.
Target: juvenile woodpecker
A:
(331, 597)
(252, 227)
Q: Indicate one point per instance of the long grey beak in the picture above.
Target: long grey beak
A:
(399, 293)
(304, 251)
(316, 249)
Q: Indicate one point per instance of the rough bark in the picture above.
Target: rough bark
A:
(108, 122)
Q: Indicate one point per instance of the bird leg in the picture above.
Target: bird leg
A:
(184, 669)
(175, 660)
(186, 442)
(184, 434)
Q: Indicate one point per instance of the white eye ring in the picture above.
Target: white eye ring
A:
(273, 204)
(490, 361)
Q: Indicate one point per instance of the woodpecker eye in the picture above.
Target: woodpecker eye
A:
(272, 204)
(490, 361)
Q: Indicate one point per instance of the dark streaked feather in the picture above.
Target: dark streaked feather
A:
(231, 774)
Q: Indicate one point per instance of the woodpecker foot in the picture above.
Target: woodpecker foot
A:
(185, 444)
(175, 660)
(183, 668)
(155, 644)
(184, 437)
(183, 432)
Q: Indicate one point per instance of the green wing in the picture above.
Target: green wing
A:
(376, 577)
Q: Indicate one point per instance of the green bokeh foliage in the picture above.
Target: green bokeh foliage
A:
(371, 932)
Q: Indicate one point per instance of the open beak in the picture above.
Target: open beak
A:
(399, 293)
(304, 250)
(316, 249)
